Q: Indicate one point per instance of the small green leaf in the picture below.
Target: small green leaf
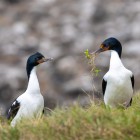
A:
(91, 57)
(97, 71)
(86, 52)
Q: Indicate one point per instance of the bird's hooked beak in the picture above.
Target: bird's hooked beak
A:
(44, 60)
(101, 49)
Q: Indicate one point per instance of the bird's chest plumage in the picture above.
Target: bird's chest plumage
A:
(119, 88)
(31, 106)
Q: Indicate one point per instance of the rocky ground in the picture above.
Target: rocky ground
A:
(63, 29)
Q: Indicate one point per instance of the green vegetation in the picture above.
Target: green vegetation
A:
(86, 52)
(91, 61)
(77, 123)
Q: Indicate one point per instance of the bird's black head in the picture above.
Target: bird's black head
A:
(35, 60)
(111, 44)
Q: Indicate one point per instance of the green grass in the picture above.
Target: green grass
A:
(77, 123)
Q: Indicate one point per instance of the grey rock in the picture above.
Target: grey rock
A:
(64, 30)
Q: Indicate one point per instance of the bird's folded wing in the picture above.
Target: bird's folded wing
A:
(104, 83)
(13, 109)
(132, 81)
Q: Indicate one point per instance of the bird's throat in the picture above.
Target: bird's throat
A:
(33, 84)
(115, 60)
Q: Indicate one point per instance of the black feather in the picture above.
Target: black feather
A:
(129, 103)
(104, 83)
(43, 112)
(132, 81)
(13, 110)
(32, 62)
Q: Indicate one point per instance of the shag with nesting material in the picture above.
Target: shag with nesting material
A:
(31, 103)
(118, 82)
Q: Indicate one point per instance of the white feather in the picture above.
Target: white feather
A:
(119, 89)
(31, 101)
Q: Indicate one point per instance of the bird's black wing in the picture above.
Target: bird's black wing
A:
(104, 83)
(132, 81)
(13, 110)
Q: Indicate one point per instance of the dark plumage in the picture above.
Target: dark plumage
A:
(13, 110)
(104, 84)
(33, 61)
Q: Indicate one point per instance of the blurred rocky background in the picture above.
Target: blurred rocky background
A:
(64, 29)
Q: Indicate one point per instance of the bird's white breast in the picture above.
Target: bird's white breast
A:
(30, 107)
(119, 89)
(31, 102)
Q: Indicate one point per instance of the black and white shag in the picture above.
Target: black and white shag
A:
(118, 82)
(31, 103)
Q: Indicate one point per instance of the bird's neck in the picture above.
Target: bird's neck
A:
(118, 50)
(115, 60)
(33, 84)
